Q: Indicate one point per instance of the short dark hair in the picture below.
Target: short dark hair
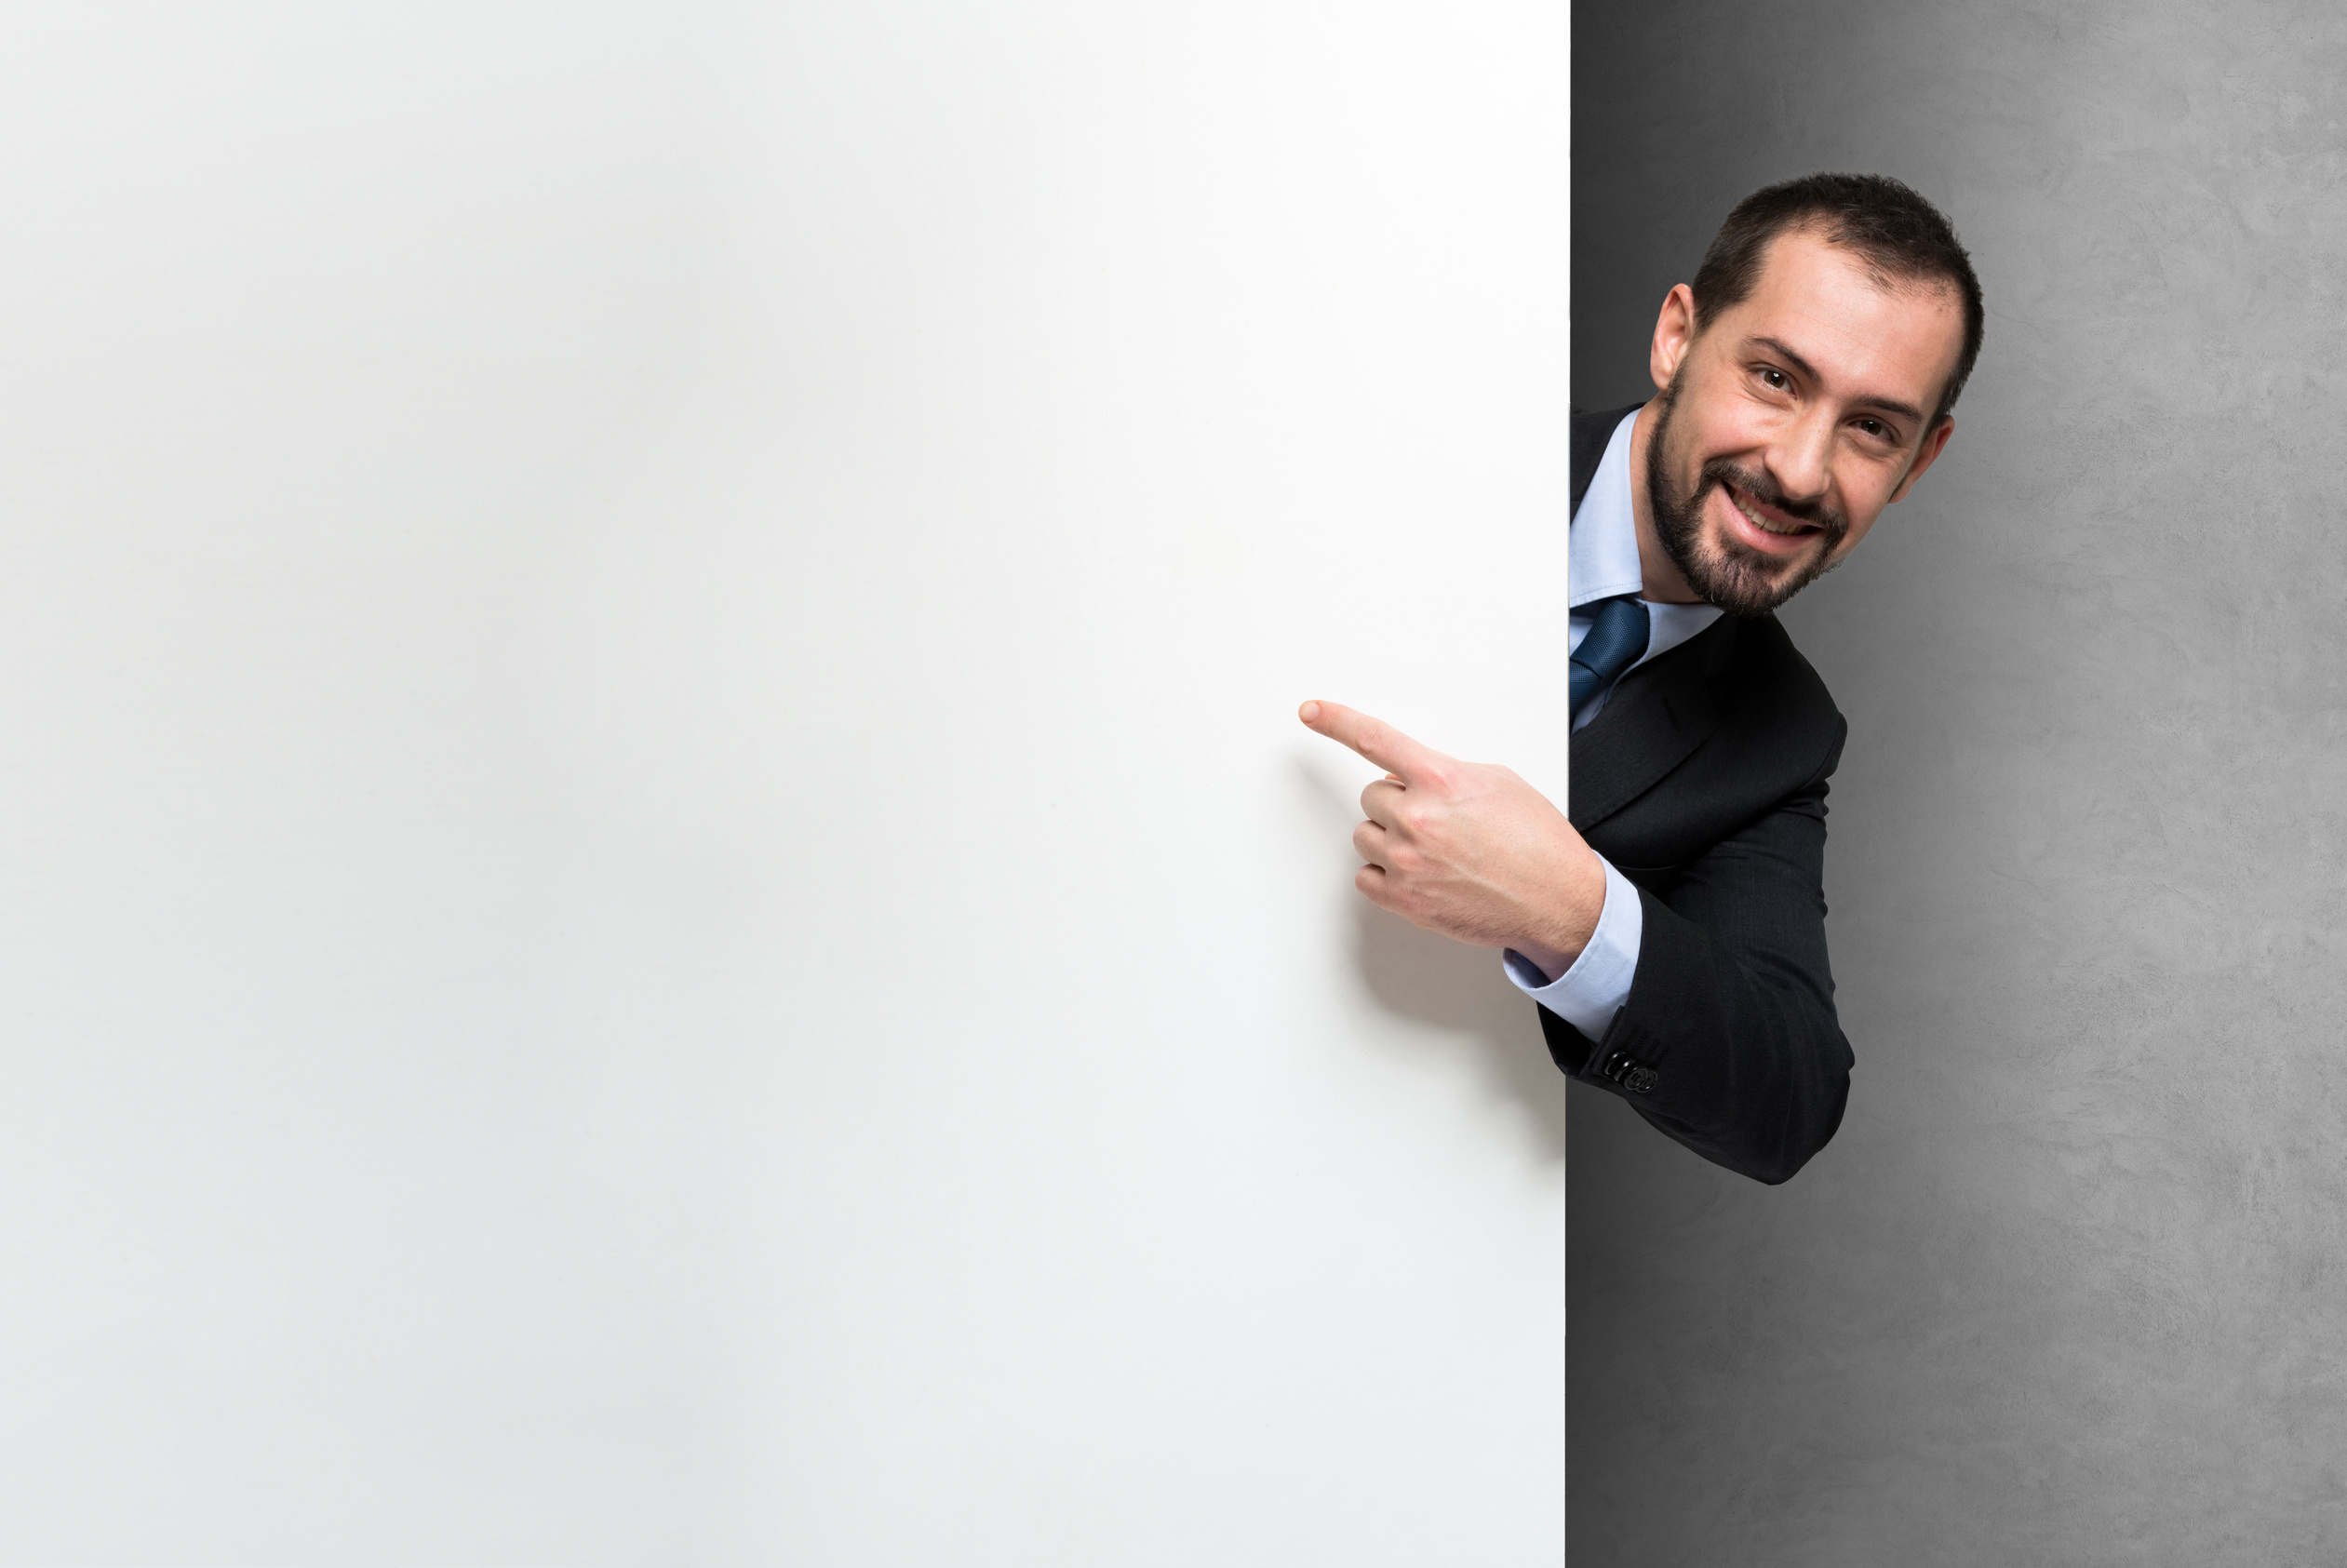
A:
(1903, 236)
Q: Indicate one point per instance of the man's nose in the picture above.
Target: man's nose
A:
(1801, 461)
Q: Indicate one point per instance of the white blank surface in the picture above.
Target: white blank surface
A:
(661, 901)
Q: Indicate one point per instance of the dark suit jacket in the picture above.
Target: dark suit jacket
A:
(1703, 781)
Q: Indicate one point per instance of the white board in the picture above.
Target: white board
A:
(662, 900)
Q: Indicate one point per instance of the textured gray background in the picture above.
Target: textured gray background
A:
(2068, 1286)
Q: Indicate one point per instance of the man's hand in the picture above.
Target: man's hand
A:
(1467, 849)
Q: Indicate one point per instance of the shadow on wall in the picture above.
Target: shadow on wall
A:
(1445, 985)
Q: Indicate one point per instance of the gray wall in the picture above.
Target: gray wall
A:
(2068, 1287)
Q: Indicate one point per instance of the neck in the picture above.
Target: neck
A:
(1662, 582)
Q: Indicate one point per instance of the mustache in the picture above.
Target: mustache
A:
(1761, 488)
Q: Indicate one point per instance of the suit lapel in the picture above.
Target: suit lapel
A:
(1657, 716)
(1586, 448)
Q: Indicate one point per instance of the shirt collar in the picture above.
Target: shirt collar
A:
(1602, 553)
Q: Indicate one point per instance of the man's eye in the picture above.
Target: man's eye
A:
(1776, 380)
(1876, 428)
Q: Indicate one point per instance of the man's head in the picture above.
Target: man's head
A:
(1805, 380)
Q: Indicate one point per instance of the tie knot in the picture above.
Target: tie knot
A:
(1613, 642)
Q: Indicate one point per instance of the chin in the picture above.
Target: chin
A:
(1742, 582)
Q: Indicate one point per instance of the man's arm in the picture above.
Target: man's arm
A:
(1728, 1041)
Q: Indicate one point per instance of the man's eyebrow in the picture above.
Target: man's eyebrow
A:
(1784, 351)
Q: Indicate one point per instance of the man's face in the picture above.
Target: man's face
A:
(1788, 425)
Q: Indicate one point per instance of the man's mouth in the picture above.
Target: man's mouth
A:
(1764, 529)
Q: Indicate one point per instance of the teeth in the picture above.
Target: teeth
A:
(1758, 521)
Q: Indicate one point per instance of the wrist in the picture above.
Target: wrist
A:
(1558, 942)
(1551, 963)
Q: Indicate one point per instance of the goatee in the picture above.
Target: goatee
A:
(1730, 573)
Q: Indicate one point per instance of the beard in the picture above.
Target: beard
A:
(1723, 570)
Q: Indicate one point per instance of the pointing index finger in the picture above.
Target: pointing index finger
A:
(1375, 740)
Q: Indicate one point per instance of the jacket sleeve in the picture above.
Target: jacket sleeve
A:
(1729, 1042)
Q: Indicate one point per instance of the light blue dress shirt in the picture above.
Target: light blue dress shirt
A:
(1602, 561)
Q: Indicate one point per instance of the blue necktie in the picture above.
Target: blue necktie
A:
(1611, 645)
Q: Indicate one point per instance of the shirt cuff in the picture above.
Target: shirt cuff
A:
(1588, 995)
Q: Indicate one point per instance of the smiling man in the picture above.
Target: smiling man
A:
(1672, 930)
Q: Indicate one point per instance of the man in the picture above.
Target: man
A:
(1673, 930)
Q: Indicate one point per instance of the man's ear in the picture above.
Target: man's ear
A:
(1934, 443)
(1674, 331)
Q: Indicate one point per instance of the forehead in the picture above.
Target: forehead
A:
(1864, 334)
